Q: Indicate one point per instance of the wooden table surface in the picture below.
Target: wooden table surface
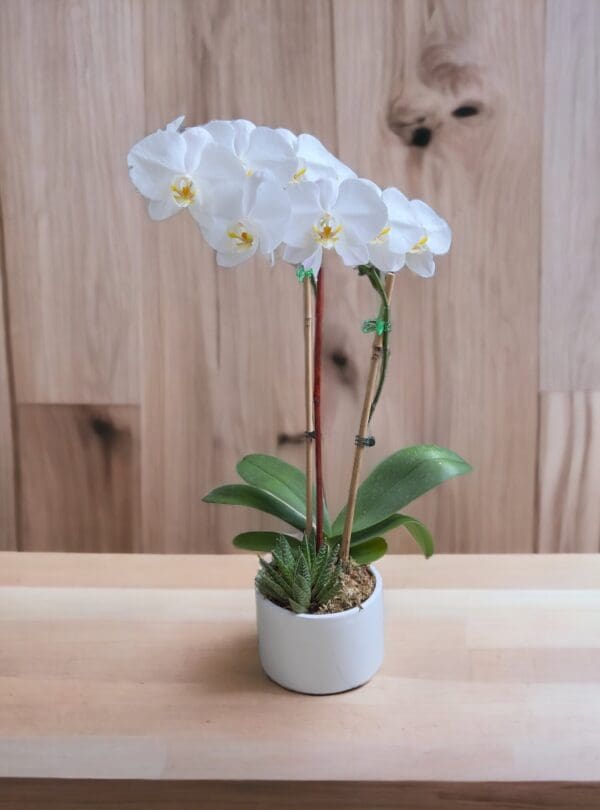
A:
(141, 674)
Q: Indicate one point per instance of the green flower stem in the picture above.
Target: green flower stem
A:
(374, 277)
(384, 315)
(367, 409)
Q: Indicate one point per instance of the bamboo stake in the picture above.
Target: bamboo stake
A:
(376, 357)
(317, 406)
(308, 400)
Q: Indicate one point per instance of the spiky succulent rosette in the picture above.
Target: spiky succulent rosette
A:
(299, 577)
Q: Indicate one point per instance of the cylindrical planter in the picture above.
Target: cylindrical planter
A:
(320, 654)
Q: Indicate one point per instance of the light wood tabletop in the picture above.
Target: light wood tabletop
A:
(141, 675)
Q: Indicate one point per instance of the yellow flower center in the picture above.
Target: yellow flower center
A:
(183, 191)
(326, 231)
(381, 236)
(242, 239)
(419, 246)
(299, 175)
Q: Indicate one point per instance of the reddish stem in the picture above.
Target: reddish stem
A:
(317, 406)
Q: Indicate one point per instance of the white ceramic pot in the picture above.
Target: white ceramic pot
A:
(320, 654)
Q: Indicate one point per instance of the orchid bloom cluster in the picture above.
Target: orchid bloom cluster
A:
(253, 189)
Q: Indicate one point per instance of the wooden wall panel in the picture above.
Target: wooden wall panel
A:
(105, 312)
(8, 471)
(464, 346)
(569, 472)
(569, 452)
(70, 70)
(80, 478)
(222, 350)
(570, 248)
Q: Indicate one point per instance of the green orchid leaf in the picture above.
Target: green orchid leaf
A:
(273, 475)
(378, 529)
(398, 480)
(419, 532)
(369, 550)
(259, 541)
(244, 495)
(283, 480)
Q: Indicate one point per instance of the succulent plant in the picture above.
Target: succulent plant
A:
(299, 577)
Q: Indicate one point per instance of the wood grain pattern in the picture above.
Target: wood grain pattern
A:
(473, 689)
(222, 350)
(72, 794)
(8, 469)
(80, 477)
(456, 379)
(72, 228)
(103, 308)
(174, 571)
(569, 472)
(570, 302)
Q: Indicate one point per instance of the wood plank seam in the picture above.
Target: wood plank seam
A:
(6, 347)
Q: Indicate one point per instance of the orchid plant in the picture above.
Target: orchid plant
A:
(253, 190)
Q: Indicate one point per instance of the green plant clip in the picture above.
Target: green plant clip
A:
(378, 325)
(302, 273)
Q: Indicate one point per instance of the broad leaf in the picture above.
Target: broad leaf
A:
(369, 550)
(283, 480)
(417, 529)
(244, 495)
(420, 533)
(398, 480)
(259, 541)
(377, 530)
(275, 476)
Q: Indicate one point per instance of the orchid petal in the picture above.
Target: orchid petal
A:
(270, 214)
(352, 255)
(309, 256)
(242, 132)
(175, 125)
(154, 161)
(162, 209)
(218, 165)
(421, 263)
(384, 258)
(222, 132)
(405, 230)
(290, 137)
(438, 231)
(328, 193)
(233, 258)
(319, 161)
(306, 210)
(361, 211)
(196, 140)
(268, 150)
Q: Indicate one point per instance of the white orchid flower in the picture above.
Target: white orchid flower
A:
(435, 241)
(257, 148)
(313, 161)
(413, 234)
(401, 232)
(176, 170)
(248, 218)
(328, 216)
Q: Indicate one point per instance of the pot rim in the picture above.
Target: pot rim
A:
(331, 616)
